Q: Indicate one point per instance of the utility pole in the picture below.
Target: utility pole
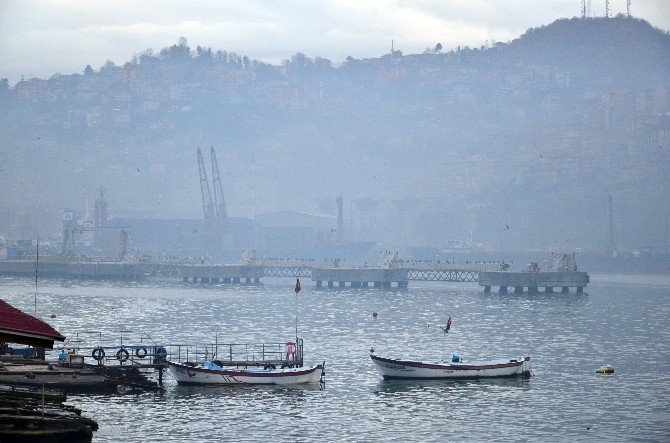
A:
(612, 248)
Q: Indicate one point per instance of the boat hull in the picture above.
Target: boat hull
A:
(392, 369)
(188, 375)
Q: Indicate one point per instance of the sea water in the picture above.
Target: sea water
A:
(621, 320)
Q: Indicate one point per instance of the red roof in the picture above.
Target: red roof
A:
(12, 319)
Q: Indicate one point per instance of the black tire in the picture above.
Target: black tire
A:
(98, 354)
(141, 352)
(122, 355)
(161, 352)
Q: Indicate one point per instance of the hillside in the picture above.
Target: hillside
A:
(535, 132)
(623, 51)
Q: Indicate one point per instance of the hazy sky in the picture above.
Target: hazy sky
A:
(40, 38)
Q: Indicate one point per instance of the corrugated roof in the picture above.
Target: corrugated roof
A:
(12, 319)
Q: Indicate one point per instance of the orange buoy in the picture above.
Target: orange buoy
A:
(53, 315)
(375, 314)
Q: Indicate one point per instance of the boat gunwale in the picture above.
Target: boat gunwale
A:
(251, 373)
(458, 367)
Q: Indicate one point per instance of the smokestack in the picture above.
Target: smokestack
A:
(340, 219)
(612, 248)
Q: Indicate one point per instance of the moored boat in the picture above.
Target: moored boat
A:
(456, 369)
(211, 373)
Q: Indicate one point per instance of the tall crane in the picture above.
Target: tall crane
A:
(219, 202)
(216, 217)
(207, 206)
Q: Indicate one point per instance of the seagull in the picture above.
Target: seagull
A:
(507, 228)
(138, 170)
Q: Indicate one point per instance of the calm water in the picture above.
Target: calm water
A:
(621, 320)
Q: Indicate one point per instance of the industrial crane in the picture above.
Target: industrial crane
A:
(216, 217)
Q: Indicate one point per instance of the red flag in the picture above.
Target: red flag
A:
(297, 285)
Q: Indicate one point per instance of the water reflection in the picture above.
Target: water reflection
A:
(567, 336)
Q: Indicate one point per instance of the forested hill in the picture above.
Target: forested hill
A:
(621, 50)
(424, 147)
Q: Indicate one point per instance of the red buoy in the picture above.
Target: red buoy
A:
(375, 314)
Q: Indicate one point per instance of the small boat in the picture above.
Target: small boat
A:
(211, 373)
(392, 369)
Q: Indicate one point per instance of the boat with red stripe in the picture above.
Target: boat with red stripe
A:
(457, 368)
(211, 373)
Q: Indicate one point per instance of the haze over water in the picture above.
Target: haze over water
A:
(620, 320)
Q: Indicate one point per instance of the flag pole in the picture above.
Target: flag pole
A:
(297, 289)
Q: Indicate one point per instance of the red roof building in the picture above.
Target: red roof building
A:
(18, 327)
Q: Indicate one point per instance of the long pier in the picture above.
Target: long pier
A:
(391, 272)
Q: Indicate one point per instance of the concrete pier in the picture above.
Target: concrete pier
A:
(532, 281)
(226, 274)
(361, 277)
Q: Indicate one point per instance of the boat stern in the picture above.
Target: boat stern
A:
(525, 367)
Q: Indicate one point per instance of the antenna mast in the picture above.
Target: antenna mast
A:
(628, 8)
(612, 248)
(37, 265)
(583, 8)
(607, 8)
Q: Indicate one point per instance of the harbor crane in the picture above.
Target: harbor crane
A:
(216, 217)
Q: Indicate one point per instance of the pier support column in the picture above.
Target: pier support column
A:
(341, 284)
(318, 284)
(215, 279)
(532, 289)
(503, 290)
(518, 289)
(364, 284)
(377, 284)
(355, 284)
(549, 289)
(403, 284)
(387, 284)
(487, 289)
(194, 279)
(580, 290)
(256, 280)
(236, 280)
(184, 279)
(204, 280)
(330, 284)
(247, 280)
(565, 289)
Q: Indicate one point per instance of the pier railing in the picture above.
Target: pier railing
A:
(240, 354)
(283, 354)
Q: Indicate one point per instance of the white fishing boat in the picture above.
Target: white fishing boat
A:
(211, 373)
(396, 369)
(251, 364)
